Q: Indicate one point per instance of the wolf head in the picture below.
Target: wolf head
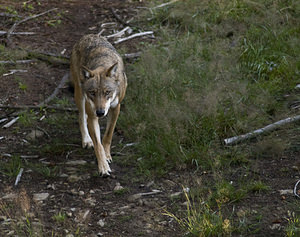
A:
(100, 88)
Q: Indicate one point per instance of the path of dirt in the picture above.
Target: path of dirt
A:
(61, 194)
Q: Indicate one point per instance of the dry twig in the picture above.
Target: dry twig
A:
(133, 36)
(268, 128)
(11, 30)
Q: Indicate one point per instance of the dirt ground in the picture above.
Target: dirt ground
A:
(68, 198)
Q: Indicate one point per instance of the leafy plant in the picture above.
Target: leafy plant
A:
(11, 167)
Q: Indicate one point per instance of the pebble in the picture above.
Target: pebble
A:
(74, 178)
(81, 193)
(76, 162)
(10, 196)
(134, 197)
(118, 187)
(40, 196)
(101, 223)
(34, 134)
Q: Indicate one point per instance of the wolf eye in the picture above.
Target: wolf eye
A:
(92, 93)
(107, 93)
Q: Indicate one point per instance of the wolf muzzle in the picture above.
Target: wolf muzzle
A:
(100, 112)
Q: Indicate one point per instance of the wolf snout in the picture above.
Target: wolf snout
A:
(100, 112)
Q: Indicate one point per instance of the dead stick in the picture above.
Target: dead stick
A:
(268, 128)
(133, 36)
(9, 32)
(10, 62)
(26, 107)
(118, 17)
(17, 33)
(165, 4)
(55, 92)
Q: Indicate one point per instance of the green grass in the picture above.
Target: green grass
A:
(217, 69)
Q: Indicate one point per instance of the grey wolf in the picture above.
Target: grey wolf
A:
(100, 82)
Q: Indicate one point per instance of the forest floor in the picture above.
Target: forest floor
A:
(60, 193)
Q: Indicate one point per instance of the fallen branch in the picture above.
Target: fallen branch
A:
(55, 92)
(11, 30)
(132, 55)
(49, 57)
(133, 36)
(118, 17)
(26, 107)
(118, 34)
(295, 189)
(13, 71)
(165, 4)
(10, 123)
(19, 176)
(10, 62)
(16, 33)
(268, 128)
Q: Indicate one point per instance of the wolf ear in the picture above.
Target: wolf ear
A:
(87, 73)
(112, 70)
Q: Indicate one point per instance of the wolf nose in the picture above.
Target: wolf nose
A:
(100, 112)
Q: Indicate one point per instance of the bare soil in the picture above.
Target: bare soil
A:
(94, 206)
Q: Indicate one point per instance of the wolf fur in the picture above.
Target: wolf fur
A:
(99, 79)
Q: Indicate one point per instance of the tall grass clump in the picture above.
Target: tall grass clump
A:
(201, 220)
(218, 69)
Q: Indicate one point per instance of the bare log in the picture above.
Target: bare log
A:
(133, 36)
(268, 128)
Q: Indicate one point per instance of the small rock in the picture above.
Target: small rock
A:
(151, 183)
(134, 197)
(40, 196)
(69, 235)
(10, 196)
(101, 223)
(99, 234)
(92, 191)
(81, 193)
(34, 134)
(76, 162)
(118, 187)
(10, 233)
(51, 186)
(74, 178)
(276, 227)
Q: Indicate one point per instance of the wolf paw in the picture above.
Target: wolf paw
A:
(108, 158)
(104, 169)
(87, 143)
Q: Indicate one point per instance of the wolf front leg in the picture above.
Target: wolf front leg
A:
(94, 130)
(110, 127)
(80, 102)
